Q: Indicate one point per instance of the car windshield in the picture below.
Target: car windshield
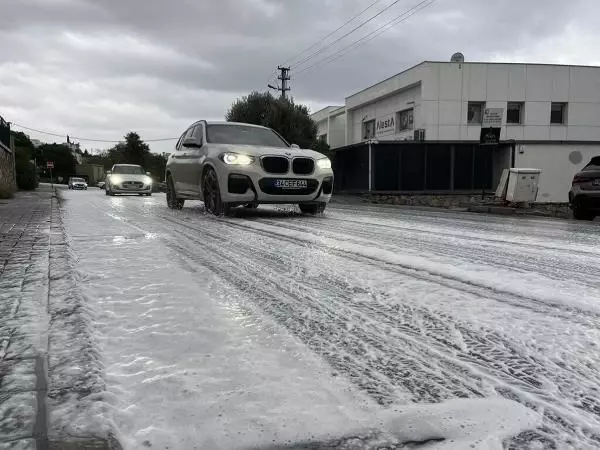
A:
(129, 170)
(78, 180)
(243, 135)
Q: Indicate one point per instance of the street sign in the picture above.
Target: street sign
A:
(492, 117)
(50, 165)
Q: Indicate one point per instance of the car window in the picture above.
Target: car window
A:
(129, 170)
(594, 164)
(243, 135)
(77, 179)
(180, 141)
(197, 133)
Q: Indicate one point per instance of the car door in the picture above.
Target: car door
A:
(196, 157)
(177, 163)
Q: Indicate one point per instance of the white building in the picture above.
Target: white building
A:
(551, 119)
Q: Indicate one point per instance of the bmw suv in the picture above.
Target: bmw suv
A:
(228, 164)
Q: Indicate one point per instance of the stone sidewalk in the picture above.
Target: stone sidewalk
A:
(24, 255)
(45, 361)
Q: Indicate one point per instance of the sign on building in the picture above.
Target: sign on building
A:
(492, 118)
(385, 125)
(50, 165)
(491, 125)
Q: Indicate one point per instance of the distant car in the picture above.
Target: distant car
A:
(77, 183)
(584, 197)
(229, 164)
(128, 179)
(101, 184)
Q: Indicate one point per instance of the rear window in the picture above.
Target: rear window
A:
(594, 164)
(129, 170)
(243, 135)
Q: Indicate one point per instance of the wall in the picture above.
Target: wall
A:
(390, 105)
(7, 172)
(337, 131)
(557, 168)
(448, 87)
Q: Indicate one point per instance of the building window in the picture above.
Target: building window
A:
(475, 113)
(558, 113)
(405, 119)
(369, 129)
(514, 113)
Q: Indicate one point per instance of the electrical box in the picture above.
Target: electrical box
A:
(523, 185)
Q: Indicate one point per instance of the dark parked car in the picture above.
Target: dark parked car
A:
(584, 197)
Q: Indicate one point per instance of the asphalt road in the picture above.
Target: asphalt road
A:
(402, 306)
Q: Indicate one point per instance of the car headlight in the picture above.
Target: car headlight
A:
(324, 163)
(115, 180)
(236, 159)
(148, 180)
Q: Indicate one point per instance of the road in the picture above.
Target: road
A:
(367, 306)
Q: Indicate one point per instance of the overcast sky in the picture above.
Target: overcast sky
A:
(101, 68)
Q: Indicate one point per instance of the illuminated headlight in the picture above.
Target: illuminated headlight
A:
(115, 179)
(324, 163)
(148, 180)
(236, 159)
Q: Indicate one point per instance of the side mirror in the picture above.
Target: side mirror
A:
(191, 142)
(295, 146)
(148, 173)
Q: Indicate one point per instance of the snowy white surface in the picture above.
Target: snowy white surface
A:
(275, 327)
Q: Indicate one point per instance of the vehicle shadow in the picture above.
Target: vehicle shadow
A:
(265, 212)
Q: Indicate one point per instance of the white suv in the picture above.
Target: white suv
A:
(228, 164)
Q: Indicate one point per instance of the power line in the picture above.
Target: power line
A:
(370, 36)
(86, 139)
(332, 33)
(362, 24)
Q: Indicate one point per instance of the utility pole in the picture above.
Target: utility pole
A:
(285, 78)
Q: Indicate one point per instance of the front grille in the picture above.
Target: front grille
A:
(133, 185)
(303, 166)
(267, 185)
(275, 164)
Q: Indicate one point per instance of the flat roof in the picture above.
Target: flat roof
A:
(471, 62)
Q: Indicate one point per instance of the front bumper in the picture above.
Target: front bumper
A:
(79, 186)
(119, 189)
(241, 185)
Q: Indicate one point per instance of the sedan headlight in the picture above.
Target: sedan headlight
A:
(236, 159)
(324, 163)
(148, 180)
(115, 179)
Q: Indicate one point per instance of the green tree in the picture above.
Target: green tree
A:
(133, 150)
(289, 119)
(61, 156)
(25, 170)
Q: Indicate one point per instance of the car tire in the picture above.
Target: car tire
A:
(312, 208)
(172, 201)
(582, 214)
(213, 203)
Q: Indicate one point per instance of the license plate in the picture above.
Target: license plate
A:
(291, 184)
(596, 182)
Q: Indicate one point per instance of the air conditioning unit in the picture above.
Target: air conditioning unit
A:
(420, 134)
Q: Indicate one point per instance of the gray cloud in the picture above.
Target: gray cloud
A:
(100, 68)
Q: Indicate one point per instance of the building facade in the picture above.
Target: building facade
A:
(550, 121)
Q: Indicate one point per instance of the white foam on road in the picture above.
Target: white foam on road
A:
(189, 362)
